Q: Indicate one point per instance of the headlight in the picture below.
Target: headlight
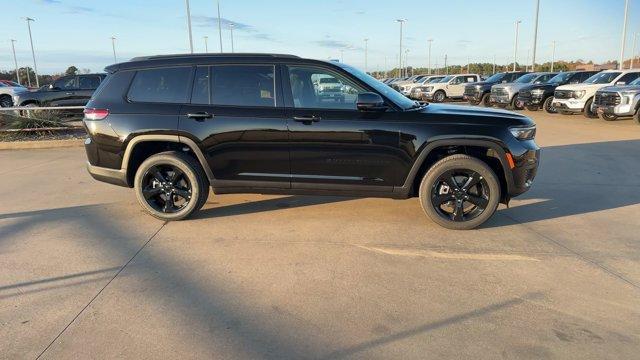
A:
(538, 92)
(523, 133)
(627, 97)
(578, 94)
(429, 88)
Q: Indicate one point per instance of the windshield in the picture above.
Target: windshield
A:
(397, 98)
(495, 77)
(602, 78)
(433, 80)
(446, 79)
(560, 78)
(526, 79)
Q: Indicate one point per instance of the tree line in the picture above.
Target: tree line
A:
(28, 76)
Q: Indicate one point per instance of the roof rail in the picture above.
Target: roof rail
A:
(178, 56)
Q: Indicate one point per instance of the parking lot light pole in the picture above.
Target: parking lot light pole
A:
(113, 47)
(15, 60)
(535, 37)
(494, 63)
(231, 25)
(446, 68)
(206, 44)
(33, 53)
(406, 63)
(219, 25)
(366, 41)
(553, 54)
(189, 26)
(401, 21)
(429, 62)
(624, 34)
(515, 47)
(633, 50)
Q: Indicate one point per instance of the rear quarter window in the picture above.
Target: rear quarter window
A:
(163, 85)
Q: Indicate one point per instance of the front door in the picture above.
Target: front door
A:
(333, 145)
(457, 84)
(62, 92)
(236, 114)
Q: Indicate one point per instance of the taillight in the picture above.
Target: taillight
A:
(95, 114)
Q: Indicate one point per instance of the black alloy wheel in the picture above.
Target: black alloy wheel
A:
(548, 106)
(485, 100)
(166, 189)
(609, 117)
(6, 101)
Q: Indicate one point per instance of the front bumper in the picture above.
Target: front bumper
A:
(525, 170)
(569, 105)
(532, 100)
(472, 96)
(500, 100)
(618, 110)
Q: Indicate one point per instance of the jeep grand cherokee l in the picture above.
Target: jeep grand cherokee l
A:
(173, 126)
(535, 96)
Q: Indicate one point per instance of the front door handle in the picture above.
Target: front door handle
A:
(69, 93)
(200, 116)
(307, 120)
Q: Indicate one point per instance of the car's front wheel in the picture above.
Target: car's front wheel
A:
(439, 96)
(587, 112)
(608, 117)
(548, 106)
(6, 101)
(459, 192)
(171, 185)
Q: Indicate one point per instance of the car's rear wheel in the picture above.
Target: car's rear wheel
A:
(439, 96)
(6, 101)
(171, 185)
(637, 116)
(548, 106)
(608, 117)
(515, 104)
(532, 108)
(587, 112)
(459, 192)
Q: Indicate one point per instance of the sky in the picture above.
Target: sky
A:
(75, 32)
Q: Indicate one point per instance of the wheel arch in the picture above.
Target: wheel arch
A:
(487, 150)
(141, 147)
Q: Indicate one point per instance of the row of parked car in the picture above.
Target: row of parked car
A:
(609, 94)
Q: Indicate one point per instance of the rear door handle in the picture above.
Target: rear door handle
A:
(307, 119)
(200, 116)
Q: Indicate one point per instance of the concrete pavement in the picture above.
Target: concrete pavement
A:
(557, 275)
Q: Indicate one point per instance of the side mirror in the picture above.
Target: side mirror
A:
(370, 102)
(504, 81)
(621, 83)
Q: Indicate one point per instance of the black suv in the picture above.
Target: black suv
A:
(478, 92)
(71, 90)
(537, 96)
(173, 126)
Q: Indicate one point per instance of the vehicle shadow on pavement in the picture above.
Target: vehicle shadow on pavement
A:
(352, 350)
(250, 207)
(578, 179)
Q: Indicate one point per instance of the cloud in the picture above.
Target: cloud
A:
(248, 30)
(336, 44)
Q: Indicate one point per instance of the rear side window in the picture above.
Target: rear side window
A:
(88, 82)
(165, 85)
(243, 85)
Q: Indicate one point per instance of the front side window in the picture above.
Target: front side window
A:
(628, 78)
(317, 88)
(88, 82)
(243, 85)
(65, 83)
(164, 85)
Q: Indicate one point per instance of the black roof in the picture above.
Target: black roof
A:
(190, 59)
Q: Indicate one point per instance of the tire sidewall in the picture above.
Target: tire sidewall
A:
(437, 94)
(189, 172)
(548, 104)
(452, 163)
(587, 110)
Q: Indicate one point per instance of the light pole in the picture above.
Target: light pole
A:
(366, 41)
(553, 54)
(633, 50)
(515, 47)
(386, 73)
(494, 63)
(15, 60)
(429, 62)
(535, 37)
(468, 65)
(219, 26)
(113, 47)
(206, 44)
(33, 53)
(401, 21)
(231, 25)
(406, 62)
(446, 68)
(624, 33)
(189, 26)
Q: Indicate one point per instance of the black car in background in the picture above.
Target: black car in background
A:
(478, 92)
(173, 126)
(71, 90)
(537, 96)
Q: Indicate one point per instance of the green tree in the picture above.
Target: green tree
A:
(71, 70)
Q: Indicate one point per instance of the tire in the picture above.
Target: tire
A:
(439, 96)
(487, 190)
(474, 103)
(608, 117)
(484, 100)
(548, 106)
(637, 116)
(514, 103)
(192, 178)
(587, 110)
(6, 101)
(532, 108)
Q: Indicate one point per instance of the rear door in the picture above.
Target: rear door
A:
(236, 116)
(87, 84)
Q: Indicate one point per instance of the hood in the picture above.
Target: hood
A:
(13, 90)
(476, 115)
(545, 86)
(621, 88)
(514, 87)
(581, 87)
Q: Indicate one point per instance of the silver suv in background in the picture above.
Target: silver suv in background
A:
(612, 102)
(506, 95)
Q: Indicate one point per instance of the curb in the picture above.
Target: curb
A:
(40, 144)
